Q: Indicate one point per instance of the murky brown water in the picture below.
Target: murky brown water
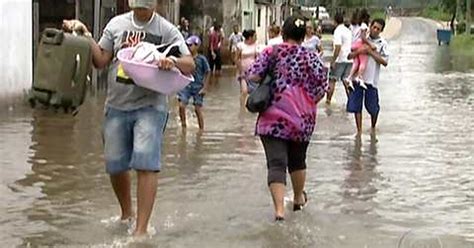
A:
(414, 180)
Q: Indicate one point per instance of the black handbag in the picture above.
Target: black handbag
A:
(261, 98)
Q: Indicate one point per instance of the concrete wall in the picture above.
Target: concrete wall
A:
(16, 48)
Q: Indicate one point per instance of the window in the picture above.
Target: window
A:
(259, 15)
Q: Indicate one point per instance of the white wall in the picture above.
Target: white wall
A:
(248, 21)
(16, 47)
(265, 13)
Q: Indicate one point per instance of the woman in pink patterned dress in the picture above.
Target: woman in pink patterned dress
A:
(285, 128)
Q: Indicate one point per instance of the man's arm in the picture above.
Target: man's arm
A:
(366, 50)
(100, 57)
(337, 51)
(378, 57)
(356, 53)
(186, 64)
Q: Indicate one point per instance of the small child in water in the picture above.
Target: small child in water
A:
(198, 88)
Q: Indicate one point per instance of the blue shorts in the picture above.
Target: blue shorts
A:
(133, 139)
(187, 93)
(356, 97)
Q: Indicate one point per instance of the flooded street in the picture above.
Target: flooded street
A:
(411, 185)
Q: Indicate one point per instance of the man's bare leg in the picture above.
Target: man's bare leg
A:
(374, 121)
(358, 119)
(121, 183)
(332, 87)
(146, 193)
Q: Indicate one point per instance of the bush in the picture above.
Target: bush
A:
(461, 28)
(377, 14)
(465, 42)
(437, 13)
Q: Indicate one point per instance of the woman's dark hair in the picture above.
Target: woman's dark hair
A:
(339, 18)
(294, 28)
(217, 26)
(248, 33)
(364, 17)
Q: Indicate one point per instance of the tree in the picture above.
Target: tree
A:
(468, 17)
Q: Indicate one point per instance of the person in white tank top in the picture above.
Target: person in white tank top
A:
(246, 55)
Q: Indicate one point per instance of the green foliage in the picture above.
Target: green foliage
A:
(449, 5)
(377, 14)
(464, 43)
(462, 50)
(437, 13)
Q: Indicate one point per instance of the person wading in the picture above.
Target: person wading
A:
(135, 118)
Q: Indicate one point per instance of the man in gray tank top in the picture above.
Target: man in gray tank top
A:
(135, 117)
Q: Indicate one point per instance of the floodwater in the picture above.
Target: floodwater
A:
(411, 185)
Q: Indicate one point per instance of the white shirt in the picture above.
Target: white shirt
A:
(357, 31)
(234, 40)
(312, 43)
(343, 37)
(372, 71)
(248, 54)
(275, 41)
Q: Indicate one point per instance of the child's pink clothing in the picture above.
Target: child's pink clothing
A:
(360, 62)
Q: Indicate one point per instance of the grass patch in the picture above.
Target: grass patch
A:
(462, 51)
(437, 13)
(463, 44)
(377, 14)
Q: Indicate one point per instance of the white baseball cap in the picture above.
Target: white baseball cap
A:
(148, 4)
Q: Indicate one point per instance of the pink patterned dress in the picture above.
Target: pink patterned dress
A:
(301, 81)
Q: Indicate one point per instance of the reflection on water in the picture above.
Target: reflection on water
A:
(359, 183)
(414, 176)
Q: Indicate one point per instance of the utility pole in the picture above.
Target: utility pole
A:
(468, 17)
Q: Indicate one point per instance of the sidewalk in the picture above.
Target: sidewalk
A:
(392, 29)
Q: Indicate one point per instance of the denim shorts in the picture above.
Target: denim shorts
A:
(341, 71)
(187, 93)
(133, 139)
(370, 97)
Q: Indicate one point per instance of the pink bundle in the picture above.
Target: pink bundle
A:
(138, 64)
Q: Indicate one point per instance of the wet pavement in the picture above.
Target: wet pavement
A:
(411, 185)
